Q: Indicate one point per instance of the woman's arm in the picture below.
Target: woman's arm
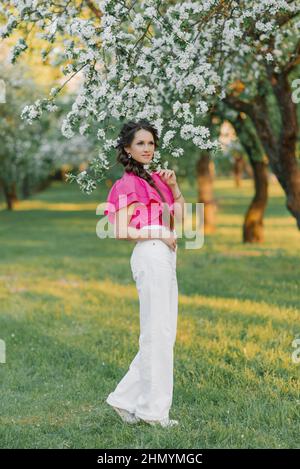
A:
(179, 203)
(169, 177)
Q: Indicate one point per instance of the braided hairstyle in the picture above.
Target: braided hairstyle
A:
(125, 138)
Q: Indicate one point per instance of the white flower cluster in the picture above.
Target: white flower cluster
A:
(83, 128)
(168, 137)
(169, 68)
(18, 49)
(34, 111)
(177, 152)
(66, 129)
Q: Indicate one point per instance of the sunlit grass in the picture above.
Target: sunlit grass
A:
(70, 320)
(36, 204)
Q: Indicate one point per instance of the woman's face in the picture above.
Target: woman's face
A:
(142, 147)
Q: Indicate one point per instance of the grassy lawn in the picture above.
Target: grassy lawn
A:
(70, 321)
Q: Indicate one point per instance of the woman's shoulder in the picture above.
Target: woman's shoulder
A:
(128, 183)
(129, 180)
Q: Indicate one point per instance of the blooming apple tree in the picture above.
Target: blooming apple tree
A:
(166, 61)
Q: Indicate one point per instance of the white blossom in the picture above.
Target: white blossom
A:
(137, 63)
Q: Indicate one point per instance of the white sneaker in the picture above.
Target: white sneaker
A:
(126, 416)
(164, 422)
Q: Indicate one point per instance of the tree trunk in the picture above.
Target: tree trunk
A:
(290, 182)
(253, 223)
(42, 185)
(238, 169)
(249, 170)
(289, 176)
(10, 193)
(281, 151)
(205, 179)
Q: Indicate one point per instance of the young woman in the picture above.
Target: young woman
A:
(142, 205)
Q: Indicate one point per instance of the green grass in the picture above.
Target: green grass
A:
(70, 320)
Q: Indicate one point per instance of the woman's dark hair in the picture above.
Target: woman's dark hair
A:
(125, 138)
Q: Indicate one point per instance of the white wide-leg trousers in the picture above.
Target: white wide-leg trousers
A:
(147, 388)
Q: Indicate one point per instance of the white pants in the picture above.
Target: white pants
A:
(147, 387)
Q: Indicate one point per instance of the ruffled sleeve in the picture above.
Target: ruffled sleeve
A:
(127, 190)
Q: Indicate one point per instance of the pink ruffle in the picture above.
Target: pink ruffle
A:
(131, 188)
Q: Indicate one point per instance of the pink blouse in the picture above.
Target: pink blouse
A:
(131, 188)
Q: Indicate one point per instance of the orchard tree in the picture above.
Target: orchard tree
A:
(169, 62)
(66, 153)
(245, 131)
(19, 141)
(30, 153)
(264, 86)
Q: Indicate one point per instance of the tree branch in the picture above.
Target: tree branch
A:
(294, 59)
(94, 9)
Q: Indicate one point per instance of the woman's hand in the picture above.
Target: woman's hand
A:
(168, 176)
(170, 240)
